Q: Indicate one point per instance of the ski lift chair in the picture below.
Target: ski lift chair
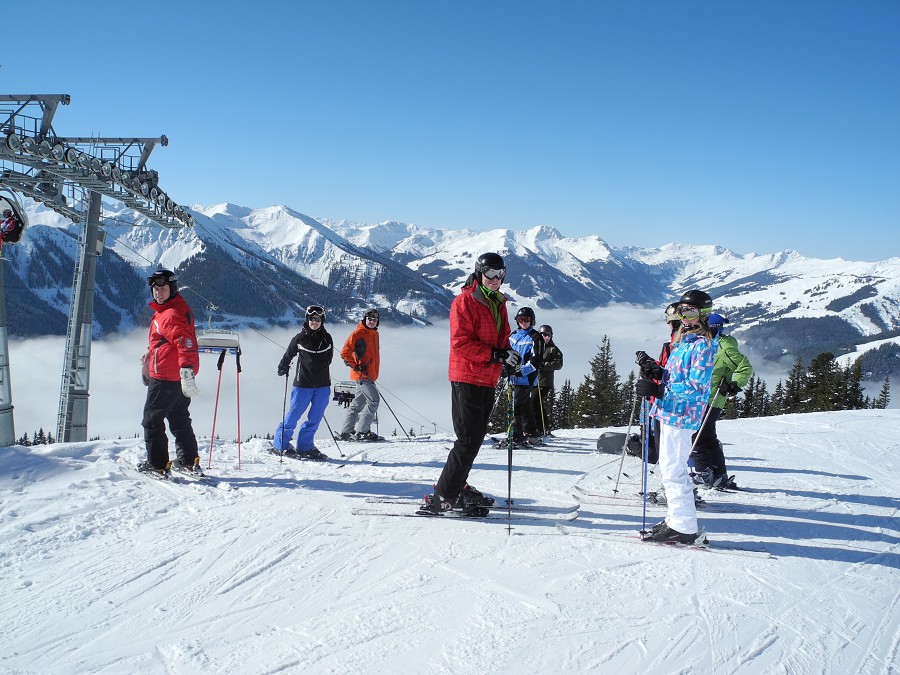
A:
(9, 201)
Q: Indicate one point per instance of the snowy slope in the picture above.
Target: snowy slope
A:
(107, 571)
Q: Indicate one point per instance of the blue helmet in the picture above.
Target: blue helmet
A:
(716, 322)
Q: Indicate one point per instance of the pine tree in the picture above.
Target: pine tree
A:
(598, 399)
(777, 407)
(884, 396)
(40, 438)
(823, 384)
(852, 394)
(795, 389)
(563, 408)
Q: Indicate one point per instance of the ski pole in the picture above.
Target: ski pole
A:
(237, 360)
(627, 436)
(333, 436)
(541, 407)
(646, 430)
(212, 439)
(381, 396)
(509, 454)
(283, 415)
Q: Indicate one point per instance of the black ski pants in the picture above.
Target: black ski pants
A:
(166, 402)
(527, 412)
(471, 411)
(708, 452)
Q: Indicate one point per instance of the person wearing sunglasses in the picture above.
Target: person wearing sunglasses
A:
(362, 354)
(314, 350)
(553, 361)
(526, 397)
(169, 366)
(479, 353)
(680, 402)
(731, 373)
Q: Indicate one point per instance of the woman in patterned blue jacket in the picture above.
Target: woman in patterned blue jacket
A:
(681, 399)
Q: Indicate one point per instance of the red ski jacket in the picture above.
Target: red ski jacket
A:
(173, 340)
(473, 337)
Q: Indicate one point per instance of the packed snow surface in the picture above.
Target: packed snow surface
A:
(108, 571)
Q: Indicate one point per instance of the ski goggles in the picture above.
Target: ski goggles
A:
(315, 312)
(158, 281)
(491, 273)
(372, 316)
(689, 312)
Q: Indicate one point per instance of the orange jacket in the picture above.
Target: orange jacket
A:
(362, 347)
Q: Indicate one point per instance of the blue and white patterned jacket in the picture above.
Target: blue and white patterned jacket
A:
(687, 380)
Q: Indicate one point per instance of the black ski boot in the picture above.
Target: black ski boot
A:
(147, 467)
(436, 504)
(469, 503)
(661, 532)
(471, 494)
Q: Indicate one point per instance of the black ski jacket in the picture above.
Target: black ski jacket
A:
(315, 350)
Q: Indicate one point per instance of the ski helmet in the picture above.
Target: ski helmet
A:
(716, 322)
(546, 330)
(315, 312)
(671, 315)
(488, 261)
(372, 313)
(527, 312)
(699, 299)
(167, 276)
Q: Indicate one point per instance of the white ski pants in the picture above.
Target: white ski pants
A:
(674, 450)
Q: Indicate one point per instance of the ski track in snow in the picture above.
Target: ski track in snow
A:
(108, 571)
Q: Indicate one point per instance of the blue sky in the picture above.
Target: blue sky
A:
(759, 126)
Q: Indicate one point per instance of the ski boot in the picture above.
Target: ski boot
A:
(661, 532)
(471, 493)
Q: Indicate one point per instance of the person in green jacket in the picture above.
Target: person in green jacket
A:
(731, 372)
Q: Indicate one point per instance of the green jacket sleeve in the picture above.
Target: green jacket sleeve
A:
(729, 365)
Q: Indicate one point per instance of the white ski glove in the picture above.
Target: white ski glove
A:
(188, 386)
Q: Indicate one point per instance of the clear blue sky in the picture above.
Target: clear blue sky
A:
(759, 125)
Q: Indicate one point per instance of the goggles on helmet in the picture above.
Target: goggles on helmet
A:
(689, 312)
(158, 281)
(315, 312)
(491, 273)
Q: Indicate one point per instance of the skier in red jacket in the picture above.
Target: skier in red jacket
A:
(170, 364)
(479, 350)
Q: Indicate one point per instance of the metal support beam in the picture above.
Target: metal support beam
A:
(7, 422)
(73, 399)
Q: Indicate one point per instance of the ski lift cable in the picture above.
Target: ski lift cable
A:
(431, 422)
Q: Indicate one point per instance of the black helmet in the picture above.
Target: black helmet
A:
(488, 261)
(546, 330)
(315, 311)
(527, 312)
(698, 299)
(166, 275)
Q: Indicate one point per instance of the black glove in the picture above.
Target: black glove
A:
(727, 388)
(536, 361)
(360, 367)
(649, 388)
(650, 369)
(282, 370)
(642, 357)
(508, 357)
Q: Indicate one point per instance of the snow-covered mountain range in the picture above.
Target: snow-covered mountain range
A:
(243, 266)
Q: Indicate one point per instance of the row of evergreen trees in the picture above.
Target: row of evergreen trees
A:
(40, 438)
(603, 399)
